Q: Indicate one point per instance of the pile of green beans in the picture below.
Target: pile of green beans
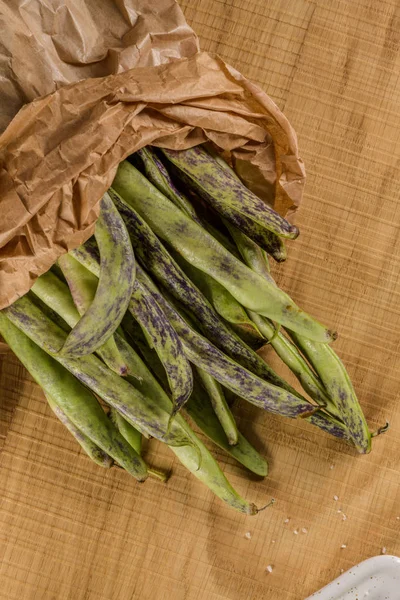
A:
(160, 316)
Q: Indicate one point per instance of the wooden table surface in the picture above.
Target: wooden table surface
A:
(69, 531)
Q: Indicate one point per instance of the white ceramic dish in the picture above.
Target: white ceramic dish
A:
(376, 578)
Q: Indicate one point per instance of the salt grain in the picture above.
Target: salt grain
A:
(343, 546)
(286, 521)
(331, 467)
(295, 531)
(398, 518)
(269, 569)
(339, 510)
(383, 551)
(344, 517)
(304, 530)
(247, 535)
(273, 541)
(336, 498)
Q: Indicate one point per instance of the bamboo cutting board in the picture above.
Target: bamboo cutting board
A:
(69, 531)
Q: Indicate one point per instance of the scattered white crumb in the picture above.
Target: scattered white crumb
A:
(398, 518)
(339, 510)
(269, 569)
(336, 498)
(295, 531)
(247, 535)
(344, 517)
(331, 467)
(383, 551)
(304, 530)
(273, 541)
(343, 546)
(286, 521)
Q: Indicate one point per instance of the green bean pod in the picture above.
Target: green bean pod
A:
(165, 342)
(131, 435)
(134, 438)
(261, 237)
(224, 303)
(201, 250)
(54, 293)
(199, 408)
(225, 192)
(116, 280)
(158, 175)
(83, 285)
(220, 406)
(236, 378)
(211, 475)
(74, 399)
(155, 258)
(152, 166)
(333, 388)
(188, 449)
(157, 330)
(253, 256)
(136, 339)
(329, 424)
(339, 388)
(289, 354)
(195, 456)
(92, 450)
(139, 410)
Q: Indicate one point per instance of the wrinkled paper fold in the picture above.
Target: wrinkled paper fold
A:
(60, 152)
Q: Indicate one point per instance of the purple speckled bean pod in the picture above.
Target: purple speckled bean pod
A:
(166, 343)
(233, 376)
(330, 384)
(116, 280)
(232, 313)
(154, 257)
(203, 354)
(148, 411)
(330, 425)
(265, 239)
(157, 173)
(260, 236)
(157, 329)
(204, 252)
(142, 412)
(149, 162)
(196, 457)
(338, 386)
(78, 404)
(88, 255)
(55, 294)
(225, 192)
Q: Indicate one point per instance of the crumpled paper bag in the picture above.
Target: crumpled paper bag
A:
(137, 78)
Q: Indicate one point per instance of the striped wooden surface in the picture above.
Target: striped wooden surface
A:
(69, 531)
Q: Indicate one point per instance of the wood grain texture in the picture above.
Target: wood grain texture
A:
(71, 531)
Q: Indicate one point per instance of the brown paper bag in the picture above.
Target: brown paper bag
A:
(137, 78)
